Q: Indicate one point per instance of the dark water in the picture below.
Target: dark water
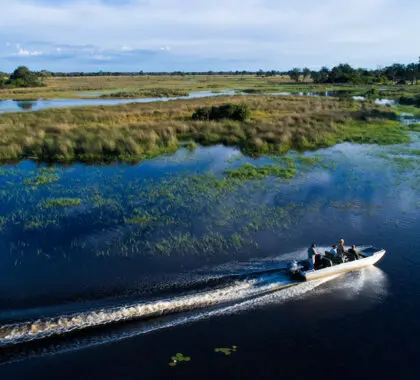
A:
(170, 256)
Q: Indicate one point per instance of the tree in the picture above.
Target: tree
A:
(44, 74)
(23, 77)
(22, 72)
(341, 73)
(295, 74)
(306, 73)
(412, 72)
(395, 72)
(322, 76)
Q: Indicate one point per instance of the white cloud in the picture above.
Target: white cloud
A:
(126, 48)
(267, 33)
(29, 53)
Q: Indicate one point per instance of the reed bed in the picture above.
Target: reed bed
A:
(136, 131)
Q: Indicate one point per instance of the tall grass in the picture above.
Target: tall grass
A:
(135, 131)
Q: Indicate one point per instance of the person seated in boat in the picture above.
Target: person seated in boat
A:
(333, 250)
(352, 251)
(340, 249)
(311, 255)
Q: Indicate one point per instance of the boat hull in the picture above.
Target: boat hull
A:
(343, 268)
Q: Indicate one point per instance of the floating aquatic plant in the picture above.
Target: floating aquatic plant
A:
(227, 351)
(176, 359)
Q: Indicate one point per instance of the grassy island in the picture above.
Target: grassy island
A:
(136, 131)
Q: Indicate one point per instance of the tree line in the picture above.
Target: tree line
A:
(397, 73)
(341, 74)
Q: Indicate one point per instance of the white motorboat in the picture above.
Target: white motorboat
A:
(369, 255)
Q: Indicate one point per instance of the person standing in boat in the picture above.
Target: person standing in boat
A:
(311, 255)
(354, 252)
(340, 249)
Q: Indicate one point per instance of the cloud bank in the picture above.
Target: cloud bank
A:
(167, 35)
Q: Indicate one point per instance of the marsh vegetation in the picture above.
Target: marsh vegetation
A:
(137, 131)
(184, 209)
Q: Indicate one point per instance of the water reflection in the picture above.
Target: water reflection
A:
(26, 105)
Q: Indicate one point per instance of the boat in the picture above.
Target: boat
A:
(369, 255)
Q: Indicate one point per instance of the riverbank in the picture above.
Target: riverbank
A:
(134, 132)
(138, 86)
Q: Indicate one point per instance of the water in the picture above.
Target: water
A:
(36, 105)
(166, 256)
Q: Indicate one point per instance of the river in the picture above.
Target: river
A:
(9, 105)
(182, 258)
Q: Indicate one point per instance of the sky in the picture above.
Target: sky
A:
(198, 35)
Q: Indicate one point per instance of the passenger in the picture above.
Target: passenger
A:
(340, 249)
(333, 250)
(354, 252)
(311, 256)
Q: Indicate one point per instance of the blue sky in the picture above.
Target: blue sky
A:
(195, 35)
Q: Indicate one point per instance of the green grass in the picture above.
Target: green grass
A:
(308, 160)
(50, 169)
(382, 132)
(251, 172)
(61, 202)
(415, 127)
(414, 111)
(138, 220)
(40, 180)
(34, 225)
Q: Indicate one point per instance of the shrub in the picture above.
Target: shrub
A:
(238, 112)
(23, 77)
(410, 100)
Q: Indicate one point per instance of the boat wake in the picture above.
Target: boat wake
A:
(32, 330)
(248, 288)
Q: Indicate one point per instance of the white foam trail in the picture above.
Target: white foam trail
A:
(269, 295)
(371, 279)
(42, 328)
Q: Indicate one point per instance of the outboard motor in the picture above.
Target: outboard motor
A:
(295, 270)
(293, 267)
